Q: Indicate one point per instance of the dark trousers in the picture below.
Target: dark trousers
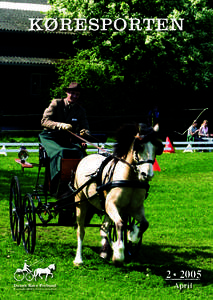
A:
(58, 145)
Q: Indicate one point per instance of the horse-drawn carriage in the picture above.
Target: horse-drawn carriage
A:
(115, 184)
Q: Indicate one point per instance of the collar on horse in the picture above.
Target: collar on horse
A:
(102, 186)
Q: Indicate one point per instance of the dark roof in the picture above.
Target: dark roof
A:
(22, 47)
(18, 20)
(17, 60)
(28, 1)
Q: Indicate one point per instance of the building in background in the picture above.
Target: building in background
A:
(27, 62)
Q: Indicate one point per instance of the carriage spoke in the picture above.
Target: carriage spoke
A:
(15, 207)
(29, 231)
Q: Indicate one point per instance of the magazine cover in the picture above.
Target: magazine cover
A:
(106, 143)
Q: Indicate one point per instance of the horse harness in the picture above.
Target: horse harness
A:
(106, 184)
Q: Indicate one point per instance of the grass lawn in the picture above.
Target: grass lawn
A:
(177, 245)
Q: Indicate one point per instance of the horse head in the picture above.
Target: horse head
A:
(51, 267)
(145, 148)
(142, 141)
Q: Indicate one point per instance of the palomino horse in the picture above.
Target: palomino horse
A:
(124, 177)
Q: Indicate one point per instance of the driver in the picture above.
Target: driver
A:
(26, 267)
(63, 115)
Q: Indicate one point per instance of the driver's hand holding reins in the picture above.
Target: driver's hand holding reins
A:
(64, 126)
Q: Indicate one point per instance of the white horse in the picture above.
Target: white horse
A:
(47, 271)
(131, 166)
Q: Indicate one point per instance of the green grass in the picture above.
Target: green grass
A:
(179, 210)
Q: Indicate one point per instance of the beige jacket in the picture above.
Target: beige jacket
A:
(59, 112)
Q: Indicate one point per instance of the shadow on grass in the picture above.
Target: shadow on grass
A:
(161, 260)
(173, 263)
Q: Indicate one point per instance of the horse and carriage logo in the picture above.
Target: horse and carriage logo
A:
(29, 275)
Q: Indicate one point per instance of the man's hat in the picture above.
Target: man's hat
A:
(73, 86)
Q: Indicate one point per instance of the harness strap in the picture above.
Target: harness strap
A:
(121, 183)
(124, 183)
(149, 161)
(95, 177)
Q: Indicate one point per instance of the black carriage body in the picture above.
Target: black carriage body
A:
(47, 200)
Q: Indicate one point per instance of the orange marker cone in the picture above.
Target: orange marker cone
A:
(156, 166)
(169, 145)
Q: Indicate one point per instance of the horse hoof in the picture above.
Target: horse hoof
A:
(118, 252)
(77, 263)
(104, 255)
(117, 263)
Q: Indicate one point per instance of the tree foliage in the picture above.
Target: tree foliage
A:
(143, 60)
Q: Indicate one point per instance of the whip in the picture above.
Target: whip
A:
(191, 124)
(86, 141)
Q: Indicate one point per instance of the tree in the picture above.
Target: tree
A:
(145, 60)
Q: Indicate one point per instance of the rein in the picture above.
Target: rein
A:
(103, 150)
(84, 140)
(149, 161)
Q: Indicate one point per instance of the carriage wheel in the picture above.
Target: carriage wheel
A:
(15, 210)
(29, 224)
(29, 276)
(19, 276)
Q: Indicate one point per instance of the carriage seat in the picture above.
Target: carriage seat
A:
(68, 168)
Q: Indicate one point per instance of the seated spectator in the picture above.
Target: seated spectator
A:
(204, 130)
(192, 134)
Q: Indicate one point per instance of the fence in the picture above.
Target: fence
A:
(185, 146)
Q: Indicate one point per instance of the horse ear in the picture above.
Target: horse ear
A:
(156, 127)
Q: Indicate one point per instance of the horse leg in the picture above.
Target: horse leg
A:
(118, 246)
(135, 236)
(35, 276)
(105, 249)
(144, 224)
(80, 218)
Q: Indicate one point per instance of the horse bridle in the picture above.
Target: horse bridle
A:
(142, 139)
(141, 162)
